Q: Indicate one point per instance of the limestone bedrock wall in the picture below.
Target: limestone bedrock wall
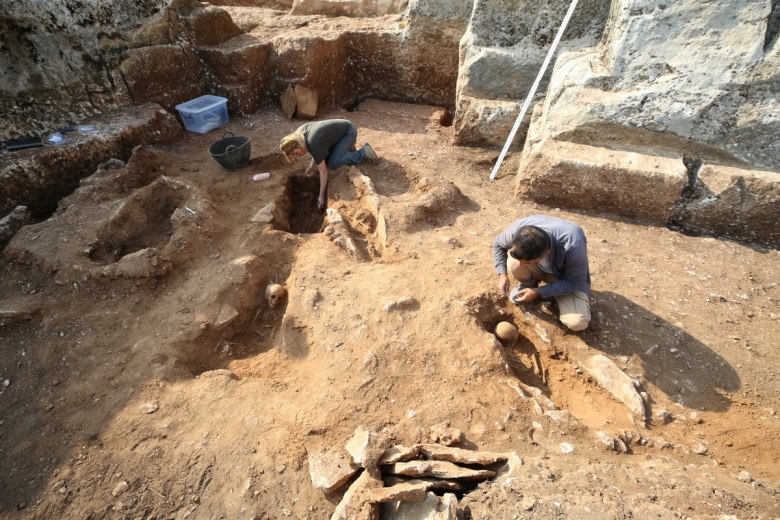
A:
(501, 53)
(669, 80)
(63, 61)
(349, 8)
(55, 57)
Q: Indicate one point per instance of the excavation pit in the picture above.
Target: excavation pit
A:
(521, 355)
(301, 192)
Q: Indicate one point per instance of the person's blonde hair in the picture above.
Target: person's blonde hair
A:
(290, 143)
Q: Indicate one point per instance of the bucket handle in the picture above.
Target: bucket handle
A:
(228, 132)
(230, 148)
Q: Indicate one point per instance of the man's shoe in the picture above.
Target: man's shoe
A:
(370, 154)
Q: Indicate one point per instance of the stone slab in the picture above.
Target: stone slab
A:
(578, 176)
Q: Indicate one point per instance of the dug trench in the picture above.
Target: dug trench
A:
(142, 349)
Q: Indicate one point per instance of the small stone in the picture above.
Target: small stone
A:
(149, 408)
(442, 433)
(366, 447)
(699, 449)
(528, 503)
(744, 476)
(664, 417)
(120, 488)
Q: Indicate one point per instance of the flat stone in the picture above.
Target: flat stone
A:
(439, 469)
(433, 483)
(461, 456)
(411, 491)
(329, 470)
(399, 454)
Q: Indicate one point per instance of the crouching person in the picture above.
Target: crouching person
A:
(552, 251)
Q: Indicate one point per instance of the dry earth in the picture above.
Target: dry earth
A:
(113, 355)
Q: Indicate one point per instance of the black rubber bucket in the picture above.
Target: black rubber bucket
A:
(232, 153)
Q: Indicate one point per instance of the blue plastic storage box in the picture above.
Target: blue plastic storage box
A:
(203, 114)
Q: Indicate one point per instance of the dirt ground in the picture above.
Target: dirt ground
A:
(137, 346)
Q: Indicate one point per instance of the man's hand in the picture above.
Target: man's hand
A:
(527, 295)
(503, 284)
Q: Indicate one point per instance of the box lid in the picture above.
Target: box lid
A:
(201, 104)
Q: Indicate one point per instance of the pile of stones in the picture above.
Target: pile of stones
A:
(397, 482)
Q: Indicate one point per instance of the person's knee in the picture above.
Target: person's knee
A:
(575, 322)
(519, 272)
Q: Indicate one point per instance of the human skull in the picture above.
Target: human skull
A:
(275, 293)
(507, 333)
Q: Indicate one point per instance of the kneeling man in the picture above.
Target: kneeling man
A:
(550, 250)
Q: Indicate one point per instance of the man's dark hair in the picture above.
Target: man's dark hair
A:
(529, 243)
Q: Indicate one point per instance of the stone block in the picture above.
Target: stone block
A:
(287, 99)
(732, 202)
(329, 470)
(602, 180)
(354, 8)
(305, 102)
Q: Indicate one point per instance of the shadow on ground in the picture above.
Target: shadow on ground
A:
(685, 369)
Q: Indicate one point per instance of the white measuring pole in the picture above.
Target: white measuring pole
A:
(533, 89)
